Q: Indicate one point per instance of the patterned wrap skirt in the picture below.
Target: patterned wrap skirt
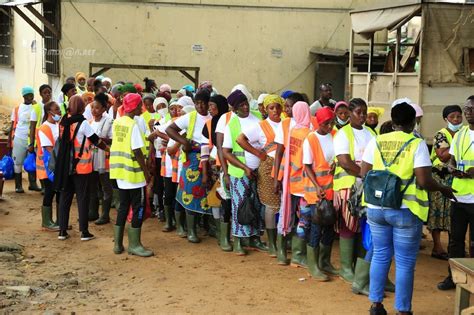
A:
(191, 194)
(239, 190)
(265, 185)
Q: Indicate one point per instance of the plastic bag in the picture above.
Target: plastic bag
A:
(325, 213)
(6, 166)
(366, 234)
(46, 160)
(30, 163)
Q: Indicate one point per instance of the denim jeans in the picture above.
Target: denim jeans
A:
(311, 232)
(394, 233)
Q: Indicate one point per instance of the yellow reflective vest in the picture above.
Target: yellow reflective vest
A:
(464, 154)
(235, 130)
(414, 198)
(123, 164)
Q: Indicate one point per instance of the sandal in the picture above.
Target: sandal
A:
(440, 256)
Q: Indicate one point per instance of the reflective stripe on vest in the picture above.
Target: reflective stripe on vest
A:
(414, 198)
(123, 164)
(321, 169)
(463, 153)
(285, 126)
(84, 166)
(434, 158)
(295, 146)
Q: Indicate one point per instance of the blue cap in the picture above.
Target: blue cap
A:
(27, 90)
(189, 88)
(286, 93)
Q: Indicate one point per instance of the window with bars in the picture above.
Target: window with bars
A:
(5, 36)
(51, 12)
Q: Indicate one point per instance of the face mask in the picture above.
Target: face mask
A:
(163, 112)
(341, 122)
(56, 117)
(454, 127)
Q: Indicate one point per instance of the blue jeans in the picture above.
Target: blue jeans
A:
(311, 232)
(394, 232)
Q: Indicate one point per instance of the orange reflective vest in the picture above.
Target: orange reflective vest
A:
(84, 166)
(40, 168)
(267, 129)
(285, 124)
(297, 137)
(314, 123)
(322, 169)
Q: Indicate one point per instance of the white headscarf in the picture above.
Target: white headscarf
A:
(185, 101)
(158, 101)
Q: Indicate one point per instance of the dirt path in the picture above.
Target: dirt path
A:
(86, 277)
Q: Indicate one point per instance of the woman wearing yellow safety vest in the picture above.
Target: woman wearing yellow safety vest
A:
(462, 211)
(397, 232)
(439, 214)
(349, 145)
(241, 168)
(128, 167)
(259, 140)
(191, 194)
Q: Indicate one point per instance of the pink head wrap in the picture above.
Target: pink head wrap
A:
(418, 110)
(131, 101)
(340, 103)
(302, 117)
(165, 88)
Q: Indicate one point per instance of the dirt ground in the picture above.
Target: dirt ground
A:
(74, 277)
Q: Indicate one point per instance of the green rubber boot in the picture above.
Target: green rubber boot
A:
(255, 243)
(325, 260)
(298, 252)
(135, 246)
(272, 247)
(191, 224)
(178, 216)
(389, 286)
(224, 241)
(47, 220)
(118, 239)
(360, 285)
(312, 255)
(346, 253)
(218, 231)
(105, 218)
(282, 252)
(32, 182)
(169, 215)
(238, 248)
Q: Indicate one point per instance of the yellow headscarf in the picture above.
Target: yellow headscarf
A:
(80, 75)
(376, 110)
(271, 99)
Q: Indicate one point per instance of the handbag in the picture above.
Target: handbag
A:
(247, 213)
(354, 203)
(325, 213)
(382, 187)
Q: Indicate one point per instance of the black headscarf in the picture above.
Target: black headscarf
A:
(451, 109)
(222, 108)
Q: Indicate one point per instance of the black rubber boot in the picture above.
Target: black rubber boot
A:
(33, 186)
(169, 214)
(18, 184)
(105, 218)
(93, 206)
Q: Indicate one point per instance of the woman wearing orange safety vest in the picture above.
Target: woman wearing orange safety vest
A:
(259, 141)
(46, 137)
(318, 158)
(211, 169)
(72, 173)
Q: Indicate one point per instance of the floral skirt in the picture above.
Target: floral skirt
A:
(439, 215)
(191, 194)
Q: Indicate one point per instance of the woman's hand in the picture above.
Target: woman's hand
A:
(249, 173)
(320, 192)
(448, 192)
(276, 187)
(205, 182)
(262, 156)
(227, 181)
(187, 147)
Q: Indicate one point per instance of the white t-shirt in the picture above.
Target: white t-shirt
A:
(245, 123)
(183, 124)
(256, 136)
(103, 128)
(279, 134)
(421, 159)
(470, 197)
(88, 112)
(317, 105)
(23, 126)
(44, 140)
(137, 143)
(222, 122)
(362, 138)
(327, 145)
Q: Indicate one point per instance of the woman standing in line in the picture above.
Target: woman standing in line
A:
(191, 194)
(46, 137)
(439, 213)
(241, 168)
(263, 136)
(349, 145)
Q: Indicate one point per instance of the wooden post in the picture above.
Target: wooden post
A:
(461, 300)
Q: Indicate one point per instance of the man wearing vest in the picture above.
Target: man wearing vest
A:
(462, 211)
(397, 232)
(128, 167)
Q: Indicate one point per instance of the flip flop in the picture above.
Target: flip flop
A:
(442, 256)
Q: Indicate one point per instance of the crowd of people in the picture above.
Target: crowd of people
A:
(237, 167)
